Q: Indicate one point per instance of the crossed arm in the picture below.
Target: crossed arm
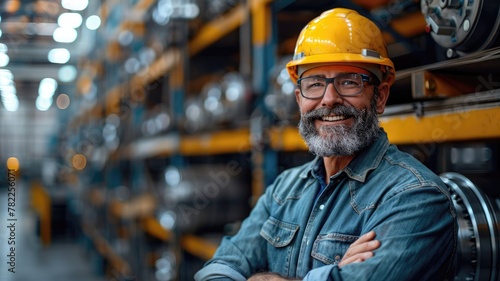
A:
(359, 251)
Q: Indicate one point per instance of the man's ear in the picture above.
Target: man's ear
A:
(383, 95)
(297, 95)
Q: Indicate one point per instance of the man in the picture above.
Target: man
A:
(362, 209)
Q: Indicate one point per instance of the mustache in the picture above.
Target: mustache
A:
(337, 110)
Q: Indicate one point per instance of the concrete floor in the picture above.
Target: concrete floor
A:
(64, 259)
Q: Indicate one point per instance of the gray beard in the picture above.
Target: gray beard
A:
(340, 140)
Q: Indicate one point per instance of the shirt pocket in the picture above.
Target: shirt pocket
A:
(280, 235)
(330, 248)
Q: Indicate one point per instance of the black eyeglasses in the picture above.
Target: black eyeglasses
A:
(346, 85)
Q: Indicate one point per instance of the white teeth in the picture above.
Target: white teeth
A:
(333, 118)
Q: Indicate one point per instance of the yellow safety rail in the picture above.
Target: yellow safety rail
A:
(471, 124)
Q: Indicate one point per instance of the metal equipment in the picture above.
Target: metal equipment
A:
(462, 27)
(280, 98)
(478, 229)
(201, 197)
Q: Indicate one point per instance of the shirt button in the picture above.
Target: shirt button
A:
(321, 206)
(277, 239)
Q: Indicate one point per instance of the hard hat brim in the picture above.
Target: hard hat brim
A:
(335, 59)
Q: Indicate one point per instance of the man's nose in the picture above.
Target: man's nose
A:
(331, 96)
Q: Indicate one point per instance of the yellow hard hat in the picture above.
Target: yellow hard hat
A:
(341, 36)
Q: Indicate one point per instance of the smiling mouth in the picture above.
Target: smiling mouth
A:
(334, 118)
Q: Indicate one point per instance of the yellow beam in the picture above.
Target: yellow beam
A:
(221, 142)
(105, 8)
(144, 5)
(261, 22)
(217, 29)
(176, 78)
(287, 139)
(140, 206)
(153, 227)
(158, 68)
(427, 84)
(158, 146)
(198, 246)
(137, 25)
(259, 4)
(482, 123)
(113, 99)
(410, 25)
(117, 263)
(139, 9)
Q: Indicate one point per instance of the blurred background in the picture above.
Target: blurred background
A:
(134, 134)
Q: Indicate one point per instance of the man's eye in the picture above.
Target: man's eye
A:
(349, 82)
(314, 83)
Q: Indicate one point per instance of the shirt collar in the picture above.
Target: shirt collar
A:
(368, 159)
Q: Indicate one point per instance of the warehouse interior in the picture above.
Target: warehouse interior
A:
(135, 134)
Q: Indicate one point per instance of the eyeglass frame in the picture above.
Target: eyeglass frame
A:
(364, 78)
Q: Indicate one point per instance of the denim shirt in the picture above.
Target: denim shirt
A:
(295, 232)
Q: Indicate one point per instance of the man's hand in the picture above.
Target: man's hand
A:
(361, 250)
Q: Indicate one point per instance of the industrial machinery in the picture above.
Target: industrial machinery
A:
(478, 223)
(463, 26)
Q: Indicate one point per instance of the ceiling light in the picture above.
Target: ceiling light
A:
(47, 87)
(70, 20)
(65, 35)
(75, 5)
(59, 55)
(93, 22)
(9, 97)
(43, 104)
(8, 90)
(7, 74)
(4, 59)
(67, 73)
(11, 104)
